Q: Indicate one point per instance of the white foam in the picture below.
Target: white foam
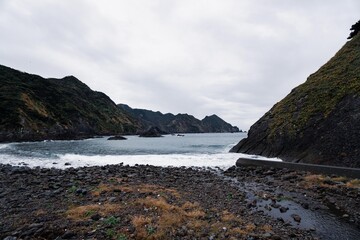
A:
(222, 160)
(3, 146)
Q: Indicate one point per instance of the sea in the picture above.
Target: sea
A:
(188, 150)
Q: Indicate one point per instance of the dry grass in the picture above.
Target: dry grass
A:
(229, 217)
(320, 180)
(83, 212)
(167, 218)
(140, 188)
(266, 228)
(354, 183)
(162, 214)
(141, 224)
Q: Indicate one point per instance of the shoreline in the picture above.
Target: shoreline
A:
(143, 201)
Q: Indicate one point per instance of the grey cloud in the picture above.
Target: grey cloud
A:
(232, 58)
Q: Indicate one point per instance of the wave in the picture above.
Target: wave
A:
(3, 146)
(221, 160)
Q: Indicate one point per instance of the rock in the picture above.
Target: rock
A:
(296, 218)
(266, 235)
(117, 137)
(96, 217)
(305, 205)
(152, 132)
(68, 235)
(283, 209)
(10, 238)
(81, 191)
(67, 164)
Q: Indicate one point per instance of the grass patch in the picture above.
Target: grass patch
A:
(163, 214)
(324, 181)
(141, 188)
(83, 212)
(354, 183)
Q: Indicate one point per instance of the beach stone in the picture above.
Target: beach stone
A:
(96, 217)
(296, 218)
(10, 238)
(283, 209)
(68, 235)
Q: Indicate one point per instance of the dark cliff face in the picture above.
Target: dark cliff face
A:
(319, 121)
(215, 124)
(180, 123)
(34, 108)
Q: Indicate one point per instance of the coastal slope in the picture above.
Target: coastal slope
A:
(319, 121)
(180, 123)
(34, 108)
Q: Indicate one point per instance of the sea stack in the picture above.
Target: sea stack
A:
(319, 121)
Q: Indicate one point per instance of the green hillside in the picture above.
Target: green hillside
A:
(180, 123)
(319, 121)
(35, 108)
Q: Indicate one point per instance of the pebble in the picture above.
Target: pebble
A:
(10, 238)
(283, 209)
(68, 235)
(296, 218)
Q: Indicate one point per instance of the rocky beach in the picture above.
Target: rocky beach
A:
(148, 202)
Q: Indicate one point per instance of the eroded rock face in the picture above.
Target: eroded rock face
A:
(319, 121)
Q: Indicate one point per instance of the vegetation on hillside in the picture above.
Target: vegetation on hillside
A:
(180, 123)
(319, 95)
(32, 105)
(318, 122)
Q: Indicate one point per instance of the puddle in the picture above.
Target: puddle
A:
(325, 223)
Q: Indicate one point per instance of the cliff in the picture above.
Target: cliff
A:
(319, 121)
(180, 123)
(34, 108)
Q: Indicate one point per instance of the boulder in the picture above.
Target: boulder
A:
(152, 132)
(117, 137)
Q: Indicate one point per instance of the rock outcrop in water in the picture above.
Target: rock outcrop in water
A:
(319, 121)
(180, 123)
(34, 108)
(153, 132)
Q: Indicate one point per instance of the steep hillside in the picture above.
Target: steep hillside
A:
(214, 123)
(180, 123)
(34, 108)
(319, 121)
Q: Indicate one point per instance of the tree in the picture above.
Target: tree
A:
(355, 29)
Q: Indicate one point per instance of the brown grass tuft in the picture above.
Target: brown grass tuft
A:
(141, 188)
(354, 183)
(83, 212)
(319, 180)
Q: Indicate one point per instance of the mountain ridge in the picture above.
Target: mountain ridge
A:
(33, 108)
(37, 108)
(179, 123)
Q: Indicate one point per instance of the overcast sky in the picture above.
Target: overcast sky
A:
(234, 58)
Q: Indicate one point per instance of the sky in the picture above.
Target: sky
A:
(233, 58)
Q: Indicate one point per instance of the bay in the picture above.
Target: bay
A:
(190, 150)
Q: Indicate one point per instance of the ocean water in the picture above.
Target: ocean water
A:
(197, 150)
